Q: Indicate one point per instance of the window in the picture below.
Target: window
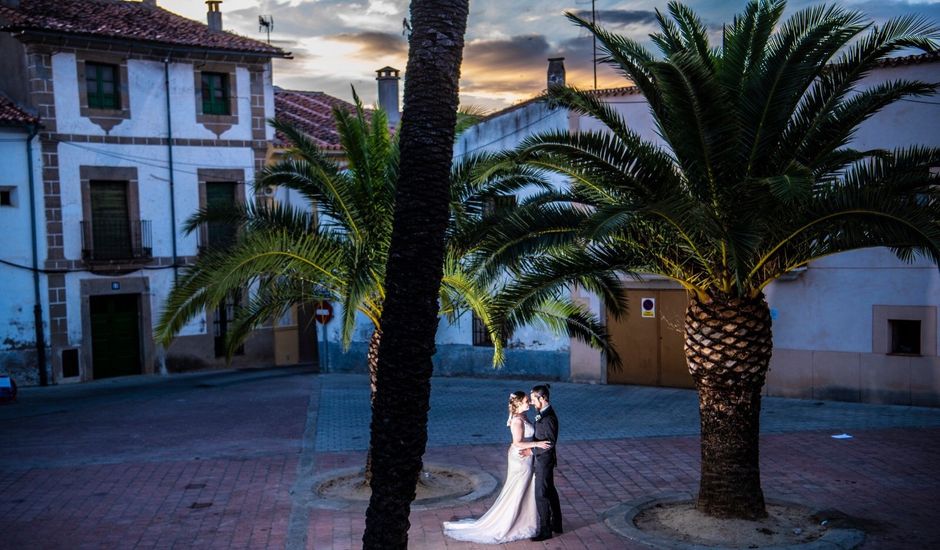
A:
(215, 94)
(70, 363)
(7, 196)
(497, 204)
(101, 84)
(480, 336)
(905, 336)
(110, 224)
(220, 196)
(224, 316)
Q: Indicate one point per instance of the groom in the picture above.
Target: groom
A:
(546, 497)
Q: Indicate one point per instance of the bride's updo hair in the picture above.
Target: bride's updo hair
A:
(515, 398)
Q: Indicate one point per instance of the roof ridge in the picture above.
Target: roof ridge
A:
(123, 20)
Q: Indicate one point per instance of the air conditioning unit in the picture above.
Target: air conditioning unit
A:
(793, 274)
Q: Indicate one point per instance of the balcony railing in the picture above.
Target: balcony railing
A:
(216, 235)
(116, 240)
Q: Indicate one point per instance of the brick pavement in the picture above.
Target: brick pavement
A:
(887, 481)
(124, 465)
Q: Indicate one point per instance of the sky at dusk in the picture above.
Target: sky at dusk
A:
(337, 43)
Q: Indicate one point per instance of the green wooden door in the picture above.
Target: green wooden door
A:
(115, 335)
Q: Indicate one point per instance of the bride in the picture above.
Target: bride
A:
(513, 516)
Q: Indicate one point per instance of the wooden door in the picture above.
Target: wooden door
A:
(651, 348)
(115, 335)
(670, 310)
(634, 339)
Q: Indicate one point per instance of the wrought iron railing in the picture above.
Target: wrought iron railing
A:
(216, 235)
(114, 240)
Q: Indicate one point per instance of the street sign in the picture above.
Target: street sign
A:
(324, 312)
(648, 308)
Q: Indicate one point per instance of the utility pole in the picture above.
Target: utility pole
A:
(594, 38)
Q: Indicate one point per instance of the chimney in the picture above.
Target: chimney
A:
(388, 94)
(151, 3)
(556, 71)
(214, 16)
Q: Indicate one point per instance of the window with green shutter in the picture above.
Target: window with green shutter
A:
(215, 94)
(101, 83)
(110, 223)
(220, 196)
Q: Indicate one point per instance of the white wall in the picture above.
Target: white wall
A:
(16, 290)
(147, 99)
(829, 308)
(500, 133)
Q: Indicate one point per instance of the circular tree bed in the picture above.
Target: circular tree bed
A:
(671, 521)
(438, 486)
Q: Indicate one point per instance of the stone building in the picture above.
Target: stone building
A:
(144, 117)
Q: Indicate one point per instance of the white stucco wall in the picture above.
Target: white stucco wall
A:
(153, 184)
(500, 133)
(146, 89)
(829, 308)
(16, 289)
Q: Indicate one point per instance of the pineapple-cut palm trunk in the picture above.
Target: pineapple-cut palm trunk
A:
(373, 360)
(728, 346)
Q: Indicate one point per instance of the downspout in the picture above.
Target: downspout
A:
(33, 131)
(169, 145)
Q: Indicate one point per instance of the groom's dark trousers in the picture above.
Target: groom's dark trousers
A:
(546, 497)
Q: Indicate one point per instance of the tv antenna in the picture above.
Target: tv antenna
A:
(266, 23)
(593, 38)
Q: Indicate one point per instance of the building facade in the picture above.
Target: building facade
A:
(145, 117)
(857, 326)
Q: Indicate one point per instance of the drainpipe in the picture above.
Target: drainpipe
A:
(169, 145)
(33, 131)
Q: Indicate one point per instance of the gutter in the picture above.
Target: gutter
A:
(157, 48)
(33, 131)
(169, 146)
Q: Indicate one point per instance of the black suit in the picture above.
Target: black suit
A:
(546, 497)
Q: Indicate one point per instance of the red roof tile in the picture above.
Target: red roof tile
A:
(312, 113)
(916, 59)
(124, 20)
(11, 115)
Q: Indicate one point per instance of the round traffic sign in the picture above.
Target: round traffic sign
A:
(323, 312)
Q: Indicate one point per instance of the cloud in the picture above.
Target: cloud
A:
(375, 43)
(617, 18)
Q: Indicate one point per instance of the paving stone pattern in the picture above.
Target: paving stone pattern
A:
(221, 460)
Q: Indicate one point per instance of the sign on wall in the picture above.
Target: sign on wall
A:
(648, 308)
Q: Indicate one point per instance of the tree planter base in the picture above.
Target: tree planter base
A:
(440, 487)
(671, 521)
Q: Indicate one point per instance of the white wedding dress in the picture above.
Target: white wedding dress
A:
(513, 516)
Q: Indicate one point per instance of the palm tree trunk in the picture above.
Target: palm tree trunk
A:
(373, 360)
(415, 268)
(728, 346)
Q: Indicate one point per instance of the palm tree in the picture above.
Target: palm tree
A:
(756, 177)
(336, 248)
(288, 256)
(415, 267)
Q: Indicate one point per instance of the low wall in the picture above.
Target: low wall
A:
(21, 365)
(850, 376)
(463, 360)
